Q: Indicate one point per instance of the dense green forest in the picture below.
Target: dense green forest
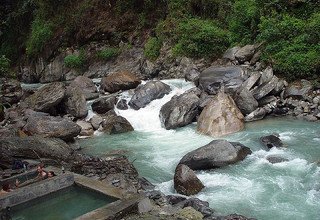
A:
(288, 29)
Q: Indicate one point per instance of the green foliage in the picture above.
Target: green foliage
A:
(4, 66)
(41, 32)
(200, 38)
(75, 61)
(152, 48)
(108, 53)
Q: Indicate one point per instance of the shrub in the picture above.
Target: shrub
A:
(74, 61)
(200, 38)
(108, 53)
(152, 48)
(41, 32)
(4, 66)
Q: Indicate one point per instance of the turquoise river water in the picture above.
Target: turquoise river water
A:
(253, 187)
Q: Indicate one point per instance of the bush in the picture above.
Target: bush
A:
(4, 66)
(200, 38)
(152, 48)
(41, 32)
(74, 61)
(108, 53)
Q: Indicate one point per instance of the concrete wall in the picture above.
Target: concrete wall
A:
(36, 190)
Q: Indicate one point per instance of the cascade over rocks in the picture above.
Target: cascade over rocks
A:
(114, 124)
(46, 97)
(75, 102)
(271, 141)
(216, 154)
(11, 92)
(180, 110)
(48, 126)
(119, 81)
(148, 92)
(231, 77)
(103, 105)
(221, 116)
(186, 182)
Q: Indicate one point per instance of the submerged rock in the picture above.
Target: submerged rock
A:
(180, 110)
(276, 159)
(271, 141)
(186, 182)
(148, 92)
(119, 81)
(217, 153)
(221, 116)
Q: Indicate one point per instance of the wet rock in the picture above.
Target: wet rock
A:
(235, 217)
(11, 92)
(271, 141)
(257, 114)
(146, 184)
(310, 118)
(186, 182)
(119, 81)
(46, 97)
(75, 102)
(221, 116)
(189, 213)
(231, 77)
(276, 159)
(174, 199)
(119, 180)
(245, 101)
(91, 96)
(218, 153)
(96, 120)
(245, 53)
(122, 104)
(103, 105)
(180, 110)
(48, 126)
(114, 124)
(199, 205)
(86, 128)
(148, 92)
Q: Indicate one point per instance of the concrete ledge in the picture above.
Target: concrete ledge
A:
(36, 190)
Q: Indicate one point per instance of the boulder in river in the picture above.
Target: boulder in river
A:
(114, 124)
(103, 105)
(216, 154)
(186, 182)
(221, 116)
(148, 92)
(122, 104)
(86, 128)
(46, 97)
(75, 102)
(49, 126)
(85, 84)
(271, 141)
(119, 81)
(180, 110)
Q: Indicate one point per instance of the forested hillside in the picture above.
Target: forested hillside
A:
(289, 30)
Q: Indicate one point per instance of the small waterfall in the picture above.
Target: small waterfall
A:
(147, 118)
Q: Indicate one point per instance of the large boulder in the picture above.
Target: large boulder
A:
(216, 154)
(230, 53)
(103, 105)
(119, 81)
(257, 114)
(148, 92)
(221, 116)
(86, 128)
(245, 53)
(48, 126)
(265, 88)
(11, 92)
(186, 182)
(231, 77)
(180, 110)
(245, 101)
(85, 84)
(114, 124)
(252, 80)
(33, 148)
(271, 141)
(75, 102)
(46, 97)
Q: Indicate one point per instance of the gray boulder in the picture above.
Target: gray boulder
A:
(103, 105)
(192, 74)
(271, 141)
(221, 116)
(300, 90)
(114, 124)
(231, 77)
(75, 102)
(11, 92)
(186, 182)
(95, 121)
(245, 101)
(276, 159)
(216, 154)
(86, 128)
(85, 84)
(46, 97)
(48, 126)
(180, 110)
(257, 114)
(266, 88)
(119, 81)
(148, 92)
(230, 53)
(266, 76)
(245, 53)
(252, 80)
(122, 104)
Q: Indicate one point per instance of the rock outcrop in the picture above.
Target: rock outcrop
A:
(221, 116)
(148, 92)
(216, 154)
(186, 182)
